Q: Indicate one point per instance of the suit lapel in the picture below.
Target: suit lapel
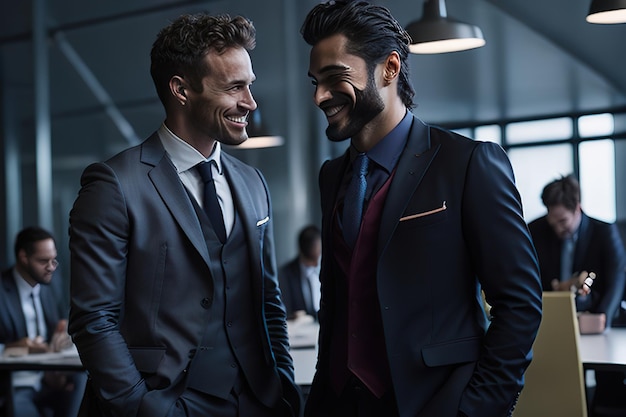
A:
(14, 306)
(414, 161)
(167, 183)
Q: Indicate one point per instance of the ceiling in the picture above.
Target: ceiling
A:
(541, 59)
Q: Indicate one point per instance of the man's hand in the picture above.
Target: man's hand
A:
(36, 345)
(60, 339)
(579, 282)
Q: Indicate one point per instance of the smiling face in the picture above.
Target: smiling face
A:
(220, 111)
(344, 88)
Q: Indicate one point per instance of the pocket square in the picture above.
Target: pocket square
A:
(263, 221)
(425, 213)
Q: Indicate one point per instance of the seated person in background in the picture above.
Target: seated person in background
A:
(299, 278)
(571, 245)
(31, 321)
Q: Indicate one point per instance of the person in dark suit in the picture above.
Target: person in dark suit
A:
(299, 278)
(571, 245)
(175, 305)
(33, 321)
(403, 330)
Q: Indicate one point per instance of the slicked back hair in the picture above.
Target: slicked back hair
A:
(372, 33)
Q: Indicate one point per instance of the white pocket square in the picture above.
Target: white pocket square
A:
(263, 221)
(425, 213)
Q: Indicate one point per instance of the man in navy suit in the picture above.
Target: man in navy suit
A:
(32, 320)
(594, 246)
(570, 246)
(299, 278)
(175, 305)
(402, 326)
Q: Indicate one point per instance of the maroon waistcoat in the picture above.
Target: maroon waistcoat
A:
(358, 344)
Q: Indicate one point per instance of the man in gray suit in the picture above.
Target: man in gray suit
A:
(176, 312)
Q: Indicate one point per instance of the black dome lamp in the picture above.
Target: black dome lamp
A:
(436, 33)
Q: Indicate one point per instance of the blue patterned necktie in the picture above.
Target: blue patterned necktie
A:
(353, 201)
(210, 201)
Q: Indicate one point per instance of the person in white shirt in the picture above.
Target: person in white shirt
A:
(32, 321)
(299, 278)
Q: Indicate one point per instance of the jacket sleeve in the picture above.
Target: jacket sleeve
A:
(99, 229)
(276, 317)
(506, 265)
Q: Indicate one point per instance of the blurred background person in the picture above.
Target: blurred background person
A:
(299, 278)
(570, 245)
(32, 321)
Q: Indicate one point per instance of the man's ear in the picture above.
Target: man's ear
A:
(392, 67)
(22, 257)
(177, 89)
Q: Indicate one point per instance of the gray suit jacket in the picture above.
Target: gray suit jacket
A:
(141, 273)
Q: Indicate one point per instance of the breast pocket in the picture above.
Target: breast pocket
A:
(424, 218)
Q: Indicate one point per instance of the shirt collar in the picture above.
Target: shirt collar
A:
(183, 155)
(24, 287)
(387, 152)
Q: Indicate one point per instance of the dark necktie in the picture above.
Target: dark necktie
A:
(567, 258)
(37, 328)
(353, 201)
(210, 201)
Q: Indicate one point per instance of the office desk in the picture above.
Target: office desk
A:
(303, 348)
(604, 351)
(64, 361)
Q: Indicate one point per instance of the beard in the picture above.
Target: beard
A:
(42, 278)
(368, 105)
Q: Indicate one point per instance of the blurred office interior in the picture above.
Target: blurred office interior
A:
(75, 88)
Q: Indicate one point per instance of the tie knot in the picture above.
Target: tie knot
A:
(205, 170)
(360, 164)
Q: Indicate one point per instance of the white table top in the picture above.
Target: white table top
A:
(607, 348)
(303, 341)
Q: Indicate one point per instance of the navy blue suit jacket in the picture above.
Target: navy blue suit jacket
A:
(452, 222)
(291, 282)
(12, 321)
(599, 249)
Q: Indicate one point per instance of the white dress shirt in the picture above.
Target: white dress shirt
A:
(185, 158)
(29, 378)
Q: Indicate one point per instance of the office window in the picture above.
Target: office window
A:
(596, 125)
(536, 166)
(597, 179)
(539, 130)
(490, 133)
(466, 131)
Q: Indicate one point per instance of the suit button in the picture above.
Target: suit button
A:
(192, 353)
(206, 303)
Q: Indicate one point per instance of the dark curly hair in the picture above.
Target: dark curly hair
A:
(181, 46)
(564, 191)
(372, 33)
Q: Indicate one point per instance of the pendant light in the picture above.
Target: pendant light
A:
(436, 33)
(607, 12)
(258, 134)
